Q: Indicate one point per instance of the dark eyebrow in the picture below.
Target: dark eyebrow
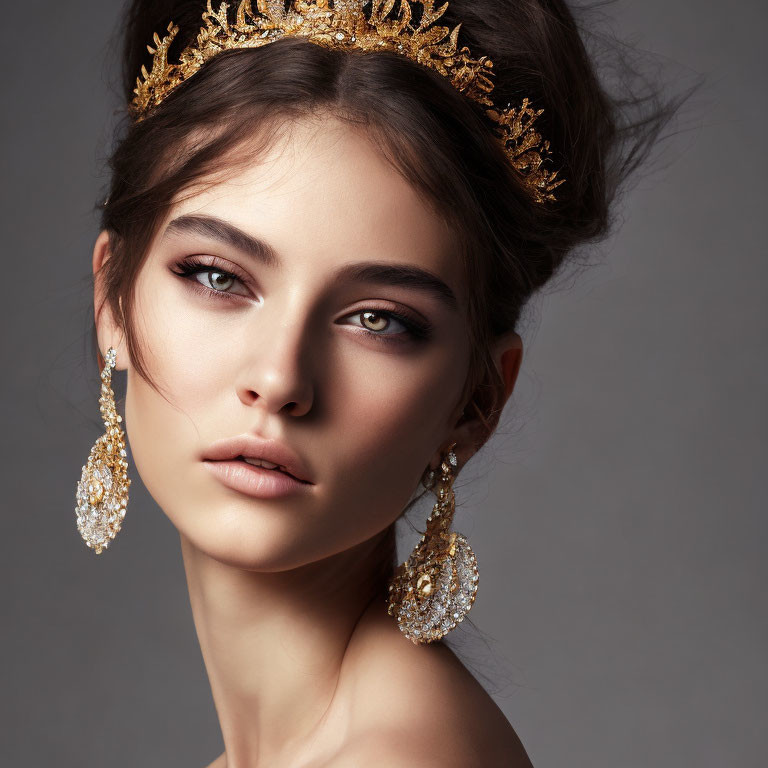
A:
(223, 232)
(399, 275)
(381, 272)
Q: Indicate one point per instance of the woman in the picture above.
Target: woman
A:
(313, 257)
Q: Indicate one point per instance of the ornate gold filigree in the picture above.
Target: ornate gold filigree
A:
(345, 25)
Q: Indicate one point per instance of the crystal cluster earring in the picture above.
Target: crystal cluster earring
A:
(433, 590)
(102, 491)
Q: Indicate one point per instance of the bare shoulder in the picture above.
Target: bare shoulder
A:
(418, 705)
(408, 749)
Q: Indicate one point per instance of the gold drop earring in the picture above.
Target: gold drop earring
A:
(102, 491)
(433, 590)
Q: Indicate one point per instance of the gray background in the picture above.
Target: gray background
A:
(618, 519)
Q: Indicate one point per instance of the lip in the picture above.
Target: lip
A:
(255, 481)
(254, 447)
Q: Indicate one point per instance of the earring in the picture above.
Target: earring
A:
(102, 491)
(433, 590)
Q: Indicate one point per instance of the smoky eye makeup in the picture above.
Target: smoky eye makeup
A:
(191, 266)
(218, 280)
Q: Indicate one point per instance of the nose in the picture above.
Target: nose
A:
(276, 369)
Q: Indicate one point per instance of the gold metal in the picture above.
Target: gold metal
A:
(433, 590)
(102, 491)
(344, 25)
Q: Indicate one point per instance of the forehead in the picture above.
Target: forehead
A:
(323, 194)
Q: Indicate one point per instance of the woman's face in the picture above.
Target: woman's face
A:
(289, 349)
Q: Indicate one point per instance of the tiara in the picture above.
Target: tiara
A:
(344, 25)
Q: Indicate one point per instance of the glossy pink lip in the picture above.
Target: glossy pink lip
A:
(255, 481)
(259, 448)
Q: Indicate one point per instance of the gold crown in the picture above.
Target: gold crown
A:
(345, 26)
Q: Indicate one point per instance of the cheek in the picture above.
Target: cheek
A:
(387, 419)
(399, 419)
(400, 399)
(164, 434)
(184, 347)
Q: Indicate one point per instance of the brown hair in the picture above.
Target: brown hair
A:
(437, 138)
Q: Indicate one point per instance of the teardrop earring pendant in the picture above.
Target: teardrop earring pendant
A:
(433, 590)
(102, 491)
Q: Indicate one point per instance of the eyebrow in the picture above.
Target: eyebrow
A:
(384, 273)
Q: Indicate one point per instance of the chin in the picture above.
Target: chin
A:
(249, 538)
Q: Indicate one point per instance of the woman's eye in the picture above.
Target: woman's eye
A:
(210, 279)
(380, 322)
(217, 280)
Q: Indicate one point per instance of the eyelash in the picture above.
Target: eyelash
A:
(415, 329)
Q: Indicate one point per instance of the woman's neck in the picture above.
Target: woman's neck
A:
(274, 645)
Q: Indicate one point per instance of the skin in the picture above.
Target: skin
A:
(306, 670)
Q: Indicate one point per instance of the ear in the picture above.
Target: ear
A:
(469, 433)
(108, 330)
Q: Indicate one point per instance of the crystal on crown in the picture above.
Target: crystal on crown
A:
(343, 24)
